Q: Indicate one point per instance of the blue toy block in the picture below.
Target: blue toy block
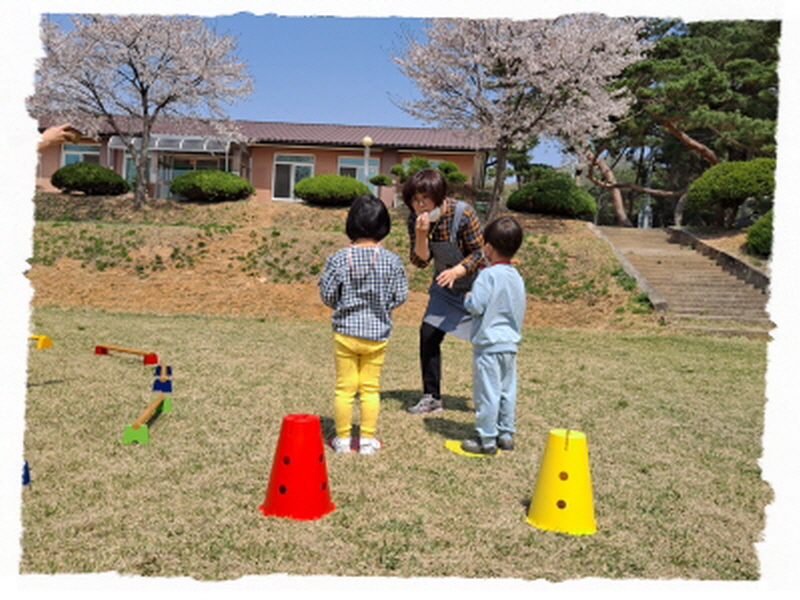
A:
(26, 474)
(158, 371)
(163, 386)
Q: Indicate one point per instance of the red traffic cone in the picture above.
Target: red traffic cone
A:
(298, 485)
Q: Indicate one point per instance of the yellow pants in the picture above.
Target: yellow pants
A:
(358, 369)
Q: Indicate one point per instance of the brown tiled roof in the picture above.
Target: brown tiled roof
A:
(270, 132)
(351, 135)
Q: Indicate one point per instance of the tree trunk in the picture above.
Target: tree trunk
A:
(680, 205)
(499, 182)
(616, 194)
(140, 187)
(142, 168)
(690, 142)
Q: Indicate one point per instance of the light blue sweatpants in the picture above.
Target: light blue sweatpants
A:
(494, 392)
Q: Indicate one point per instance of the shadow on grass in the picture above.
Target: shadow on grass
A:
(449, 430)
(404, 399)
(328, 426)
(48, 382)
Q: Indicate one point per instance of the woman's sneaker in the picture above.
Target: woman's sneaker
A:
(340, 445)
(369, 445)
(427, 404)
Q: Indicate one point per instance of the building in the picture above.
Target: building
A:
(274, 156)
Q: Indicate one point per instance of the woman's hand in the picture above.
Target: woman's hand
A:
(421, 228)
(423, 224)
(448, 277)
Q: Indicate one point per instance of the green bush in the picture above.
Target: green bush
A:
(553, 193)
(416, 163)
(381, 180)
(451, 172)
(211, 186)
(727, 185)
(759, 236)
(329, 190)
(89, 178)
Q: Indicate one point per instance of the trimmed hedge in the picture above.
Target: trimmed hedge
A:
(447, 168)
(90, 178)
(729, 184)
(330, 190)
(759, 236)
(210, 185)
(553, 193)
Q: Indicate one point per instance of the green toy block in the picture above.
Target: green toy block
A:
(135, 436)
(140, 435)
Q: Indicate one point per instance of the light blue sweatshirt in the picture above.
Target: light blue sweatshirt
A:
(497, 304)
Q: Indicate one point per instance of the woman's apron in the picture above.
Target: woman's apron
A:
(445, 309)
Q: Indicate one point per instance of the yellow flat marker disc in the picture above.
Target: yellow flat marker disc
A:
(455, 446)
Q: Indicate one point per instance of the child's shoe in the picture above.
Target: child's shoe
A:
(369, 445)
(340, 445)
(505, 443)
(476, 447)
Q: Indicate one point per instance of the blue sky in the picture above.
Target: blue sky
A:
(341, 71)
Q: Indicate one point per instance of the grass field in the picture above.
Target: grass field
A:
(674, 425)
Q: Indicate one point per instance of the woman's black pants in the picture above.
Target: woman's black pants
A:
(430, 355)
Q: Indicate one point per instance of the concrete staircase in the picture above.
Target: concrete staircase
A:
(695, 286)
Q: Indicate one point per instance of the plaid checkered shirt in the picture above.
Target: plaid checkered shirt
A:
(363, 285)
(470, 235)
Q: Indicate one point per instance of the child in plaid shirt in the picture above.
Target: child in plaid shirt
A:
(362, 283)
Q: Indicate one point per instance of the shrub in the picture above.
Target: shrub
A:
(759, 236)
(89, 178)
(451, 172)
(727, 185)
(329, 190)
(381, 180)
(416, 163)
(211, 186)
(553, 193)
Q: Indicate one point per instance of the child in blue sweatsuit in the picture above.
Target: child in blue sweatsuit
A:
(497, 305)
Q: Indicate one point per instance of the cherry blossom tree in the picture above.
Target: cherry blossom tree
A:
(509, 80)
(124, 72)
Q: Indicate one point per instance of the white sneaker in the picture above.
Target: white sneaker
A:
(369, 445)
(341, 445)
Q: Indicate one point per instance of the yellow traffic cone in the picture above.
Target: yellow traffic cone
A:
(562, 499)
(42, 341)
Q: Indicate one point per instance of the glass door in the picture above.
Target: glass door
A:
(289, 169)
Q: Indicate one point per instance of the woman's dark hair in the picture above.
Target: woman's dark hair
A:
(505, 235)
(369, 218)
(425, 181)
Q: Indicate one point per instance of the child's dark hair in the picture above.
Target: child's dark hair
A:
(368, 218)
(425, 181)
(505, 235)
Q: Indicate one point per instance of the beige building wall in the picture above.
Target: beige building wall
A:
(260, 165)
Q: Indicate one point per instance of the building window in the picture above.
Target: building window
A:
(350, 166)
(289, 169)
(75, 153)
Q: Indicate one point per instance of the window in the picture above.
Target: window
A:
(75, 153)
(289, 169)
(350, 166)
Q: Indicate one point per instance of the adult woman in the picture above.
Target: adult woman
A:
(447, 232)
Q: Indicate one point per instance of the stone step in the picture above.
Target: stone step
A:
(689, 281)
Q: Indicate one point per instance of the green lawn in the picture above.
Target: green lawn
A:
(673, 422)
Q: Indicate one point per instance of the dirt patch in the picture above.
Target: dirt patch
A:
(215, 285)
